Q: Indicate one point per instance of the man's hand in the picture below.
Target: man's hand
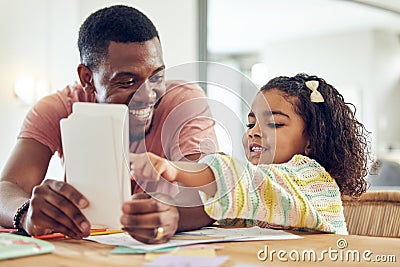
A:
(55, 207)
(150, 220)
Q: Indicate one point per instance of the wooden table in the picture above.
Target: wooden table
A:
(86, 253)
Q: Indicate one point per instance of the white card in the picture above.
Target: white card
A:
(96, 156)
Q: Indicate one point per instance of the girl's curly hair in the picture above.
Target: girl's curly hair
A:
(338, 141)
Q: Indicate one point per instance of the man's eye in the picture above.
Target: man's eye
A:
(250, 125)
(127, 83)
(156, 78)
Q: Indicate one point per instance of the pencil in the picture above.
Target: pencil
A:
(108, 232)
(8, 230)
(50, 236)
(59, 235)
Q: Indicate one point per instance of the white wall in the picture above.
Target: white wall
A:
(176, 22)
(39, 40)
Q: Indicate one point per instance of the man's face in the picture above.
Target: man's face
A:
(132, 74)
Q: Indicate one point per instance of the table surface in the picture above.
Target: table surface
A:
(86, 253)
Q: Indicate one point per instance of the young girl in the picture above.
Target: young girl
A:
(304, 148)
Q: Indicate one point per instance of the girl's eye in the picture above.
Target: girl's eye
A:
(275, 125)
(250, 125)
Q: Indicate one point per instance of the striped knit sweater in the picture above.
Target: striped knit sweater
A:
(298, 194)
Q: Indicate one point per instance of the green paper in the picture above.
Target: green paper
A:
(14, 246)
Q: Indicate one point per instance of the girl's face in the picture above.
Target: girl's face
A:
(275, 132)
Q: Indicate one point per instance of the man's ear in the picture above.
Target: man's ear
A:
(86, 78)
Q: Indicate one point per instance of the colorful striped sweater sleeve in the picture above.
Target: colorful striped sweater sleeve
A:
(297, 194)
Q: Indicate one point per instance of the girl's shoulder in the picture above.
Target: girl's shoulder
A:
(299, 167)
(307, 169)
(299, 160)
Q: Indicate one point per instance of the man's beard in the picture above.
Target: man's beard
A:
(133, 137)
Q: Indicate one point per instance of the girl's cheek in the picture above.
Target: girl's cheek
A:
(245, 141)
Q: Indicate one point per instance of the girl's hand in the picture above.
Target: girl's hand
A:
(151, 167)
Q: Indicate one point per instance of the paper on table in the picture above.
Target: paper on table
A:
(205, 252)
(13, 246)
(204, 235)
(95, 144)
(185, 261)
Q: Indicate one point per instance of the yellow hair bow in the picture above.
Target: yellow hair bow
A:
(316, 96)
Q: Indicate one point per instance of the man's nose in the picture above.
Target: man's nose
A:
(145, 93)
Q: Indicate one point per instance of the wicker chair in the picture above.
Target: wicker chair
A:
(375, 213)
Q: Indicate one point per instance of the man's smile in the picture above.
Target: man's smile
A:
(142, 113)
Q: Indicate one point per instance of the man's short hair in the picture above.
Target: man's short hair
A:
(118, 23)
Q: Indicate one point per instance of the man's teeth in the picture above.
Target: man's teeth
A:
(141, 113)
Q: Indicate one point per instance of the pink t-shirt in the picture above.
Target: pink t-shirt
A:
(181, 126)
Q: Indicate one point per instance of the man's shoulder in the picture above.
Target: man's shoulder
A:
(75, 93)
(180, 92)
(66, 97)
(178, 87)
(59, 104)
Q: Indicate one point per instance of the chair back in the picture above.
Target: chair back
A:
(375, 213)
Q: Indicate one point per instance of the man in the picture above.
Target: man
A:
(121, 63)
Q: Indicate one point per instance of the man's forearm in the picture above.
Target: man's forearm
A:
(191, 210)
(11, 197)
(191, 218)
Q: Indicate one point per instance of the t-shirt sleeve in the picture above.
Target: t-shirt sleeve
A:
(275, 194)
(191, 121)
(42, 122)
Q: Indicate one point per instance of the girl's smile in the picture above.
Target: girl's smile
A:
(256, 150)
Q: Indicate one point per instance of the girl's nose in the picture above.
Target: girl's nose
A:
(255, 131)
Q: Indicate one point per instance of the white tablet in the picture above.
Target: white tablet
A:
(96, 157)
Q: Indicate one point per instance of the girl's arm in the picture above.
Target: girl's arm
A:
(190, 174)
(298, 194)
